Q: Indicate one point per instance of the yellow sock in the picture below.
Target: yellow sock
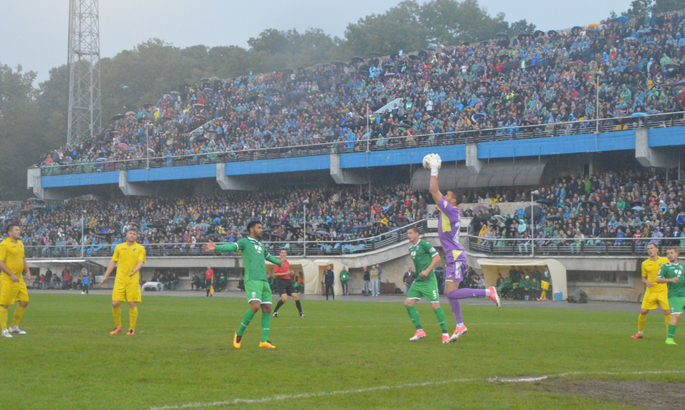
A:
(116, 313)
(668, 320)
(133, 317)
(641, 322)
(3, 318)
(543, 295)
(18, 314)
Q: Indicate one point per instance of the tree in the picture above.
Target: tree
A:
(21, 136)
(638, 8)
(521, 27)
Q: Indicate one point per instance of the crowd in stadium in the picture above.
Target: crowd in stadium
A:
(573, 211)
(181, 222)
(494, 87)
(577, 211)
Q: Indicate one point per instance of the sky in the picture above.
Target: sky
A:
(34, 33)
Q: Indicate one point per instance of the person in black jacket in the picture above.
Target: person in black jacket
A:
(367, 279)
(329, 280)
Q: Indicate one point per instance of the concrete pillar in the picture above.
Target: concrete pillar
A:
(347, 176)
(34, 182)
(233, 183)
(134, 188)
(652, 157)
(473, 164)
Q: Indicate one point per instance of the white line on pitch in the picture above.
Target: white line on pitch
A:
(402, 386)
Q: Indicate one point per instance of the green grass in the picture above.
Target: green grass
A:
(182, 354)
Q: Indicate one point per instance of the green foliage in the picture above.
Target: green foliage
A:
(639, 8)
(22, 137)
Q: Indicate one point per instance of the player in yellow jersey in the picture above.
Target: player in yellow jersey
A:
(656, 294)
(128, 258)
(12, 285)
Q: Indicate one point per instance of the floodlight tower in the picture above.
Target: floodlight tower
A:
(85, 111)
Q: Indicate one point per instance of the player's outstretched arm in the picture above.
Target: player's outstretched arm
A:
(273, 260)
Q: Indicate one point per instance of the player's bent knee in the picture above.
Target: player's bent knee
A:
(132, 305)
(295, 298)
(116, 304)
(409, 302)
(24, 304)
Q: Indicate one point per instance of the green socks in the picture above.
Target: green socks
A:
(414, 316)
(266, 324)
(440, 314)
(671, 331)
(246, 322)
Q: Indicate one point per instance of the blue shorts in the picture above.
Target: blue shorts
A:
(454, 271)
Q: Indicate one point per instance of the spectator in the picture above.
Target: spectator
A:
(375, 281)
(329, 281)
(86, 283)
(408, 278)
(367, 279)
(195, 282)
(344, 279)
(523, 289)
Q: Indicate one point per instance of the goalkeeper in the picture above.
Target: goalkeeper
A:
(256, 285)
(449, 228)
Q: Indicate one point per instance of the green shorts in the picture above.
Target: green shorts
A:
(428, 290)
(677, 304)
(258, 290)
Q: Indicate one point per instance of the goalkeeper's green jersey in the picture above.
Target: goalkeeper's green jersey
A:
(253, 253)
(422, 254)
(670, 271)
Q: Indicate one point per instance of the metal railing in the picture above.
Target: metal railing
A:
(539, 247)
(294, 248)
(589, 126)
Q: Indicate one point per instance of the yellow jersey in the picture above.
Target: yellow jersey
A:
(127, 257)
(12, 254)
(650, 270)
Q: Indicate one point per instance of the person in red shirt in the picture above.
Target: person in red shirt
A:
(285, 284)
(209, 276)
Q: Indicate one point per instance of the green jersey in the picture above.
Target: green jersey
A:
(422, 254)
(253, 253)
(344, 276)
(670, 271)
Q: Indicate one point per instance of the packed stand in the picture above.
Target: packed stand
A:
(338, 220)
(605, 213)
(495, 88)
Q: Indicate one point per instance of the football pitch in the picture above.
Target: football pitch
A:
(343, 355)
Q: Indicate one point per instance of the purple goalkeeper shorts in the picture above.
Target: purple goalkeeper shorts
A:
(454, 271)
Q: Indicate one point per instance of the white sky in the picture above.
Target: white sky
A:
(33, 33)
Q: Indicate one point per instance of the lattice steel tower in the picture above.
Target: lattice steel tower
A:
(85, 111)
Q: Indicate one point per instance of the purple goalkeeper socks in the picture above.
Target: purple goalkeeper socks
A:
(456, 309)
(466, 293)
(455, 295)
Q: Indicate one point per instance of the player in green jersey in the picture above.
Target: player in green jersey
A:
(425, 285)
(257, 287)
(673, 273)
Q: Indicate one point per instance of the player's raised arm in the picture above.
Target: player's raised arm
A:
(433, 163)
